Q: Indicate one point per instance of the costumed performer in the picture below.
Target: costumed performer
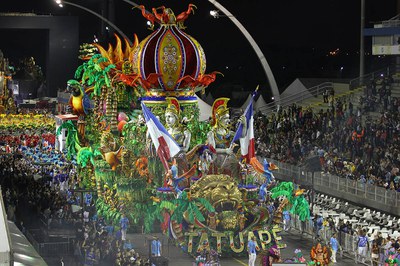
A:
(319, 254)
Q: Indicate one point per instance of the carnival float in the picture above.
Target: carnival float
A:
(139, 144)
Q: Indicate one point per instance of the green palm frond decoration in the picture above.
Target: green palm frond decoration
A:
(301, 208)
(283, 189)
(72, 140)
(84, 155)
(185, 204)
(91, 73)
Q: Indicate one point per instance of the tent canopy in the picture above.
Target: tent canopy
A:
(260, 103)
(205, 109)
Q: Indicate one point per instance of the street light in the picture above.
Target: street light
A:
(216, 14)
(61, 2)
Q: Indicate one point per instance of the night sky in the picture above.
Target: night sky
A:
(295, 36)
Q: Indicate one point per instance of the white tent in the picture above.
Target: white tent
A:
(295, 88)
(205, 109)
(260, 103)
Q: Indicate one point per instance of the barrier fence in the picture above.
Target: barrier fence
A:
(49, 248)
(341, 187)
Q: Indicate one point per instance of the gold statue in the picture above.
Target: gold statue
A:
(174, 126)
(220, 137)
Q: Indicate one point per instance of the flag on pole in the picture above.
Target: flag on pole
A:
(164, 144)
(247, 147)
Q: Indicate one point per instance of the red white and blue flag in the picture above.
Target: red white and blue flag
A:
(247, 147)
(164, 144)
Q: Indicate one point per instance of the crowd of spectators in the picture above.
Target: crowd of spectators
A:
(96, 243)
(348, 142)
(36, 199)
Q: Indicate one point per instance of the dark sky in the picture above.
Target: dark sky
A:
(295, 36)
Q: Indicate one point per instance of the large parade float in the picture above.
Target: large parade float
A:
(139, 143)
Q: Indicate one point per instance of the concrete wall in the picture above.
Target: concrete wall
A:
(62, 45)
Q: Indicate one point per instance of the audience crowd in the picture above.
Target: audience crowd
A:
(348, 142)
(37, 197)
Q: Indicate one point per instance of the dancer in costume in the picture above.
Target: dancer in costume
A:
(319, 254)
(173, 179)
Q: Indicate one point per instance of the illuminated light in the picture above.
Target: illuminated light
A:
(60, 5)
(21, 244)
(341, 68)
(148, 23)
(107, 28)
(214, 13)
(58, 2)
(226, 67)
(272, 98)
(16, 235)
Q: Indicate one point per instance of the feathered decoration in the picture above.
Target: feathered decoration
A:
(301, 208)
(84, 155)
(283, 189)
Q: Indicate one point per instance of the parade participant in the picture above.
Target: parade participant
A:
(319, 254)
(173, 179)
(243, 171)
(286, 220)
(124, 223)
(156, 247)
(174, 126)
(251, 249)
(298, 258)
(334, 246)
(375, 253)
(363, 245)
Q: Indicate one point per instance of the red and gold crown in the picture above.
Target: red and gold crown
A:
(219, 108)
(173, 106)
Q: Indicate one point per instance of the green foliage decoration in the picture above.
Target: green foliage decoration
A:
(91, 73)
(72, 140)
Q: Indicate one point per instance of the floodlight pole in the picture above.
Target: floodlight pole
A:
(362, 23)
(100, 17)
(256, 48)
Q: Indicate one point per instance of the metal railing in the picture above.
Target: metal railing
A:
(49, 248)
(296, 97)
(338, 185)
(367, 78)
(393, 22)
